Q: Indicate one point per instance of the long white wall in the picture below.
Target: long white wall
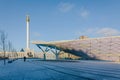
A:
(12, 54)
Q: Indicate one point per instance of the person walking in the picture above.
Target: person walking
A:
(24, 58)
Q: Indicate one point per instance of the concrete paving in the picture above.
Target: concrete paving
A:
(59, 70)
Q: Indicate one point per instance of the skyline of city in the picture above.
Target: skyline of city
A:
(58, 20)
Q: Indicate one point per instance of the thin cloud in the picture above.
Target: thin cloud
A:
(86, 31)
(36, 34)
(84, 13)
(65, 7)
(99, 32)
(108, 32)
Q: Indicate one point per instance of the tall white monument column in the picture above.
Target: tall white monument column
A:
(29, 52)
(28, 33)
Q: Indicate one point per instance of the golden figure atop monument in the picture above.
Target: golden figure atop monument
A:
(28, 18)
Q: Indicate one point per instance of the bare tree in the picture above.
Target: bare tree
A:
(3, 37)
(14, 52)
(9, 48)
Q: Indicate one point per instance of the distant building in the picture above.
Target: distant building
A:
(11, 55)
(64, 55)
(48, 55)
(19, 54)
(83, 37)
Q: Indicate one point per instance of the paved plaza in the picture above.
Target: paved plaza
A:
(35, 69)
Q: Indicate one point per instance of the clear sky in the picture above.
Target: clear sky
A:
(59, 19)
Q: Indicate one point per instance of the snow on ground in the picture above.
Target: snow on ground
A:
(34, 69)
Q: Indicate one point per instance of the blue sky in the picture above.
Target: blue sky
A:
(52, 20)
